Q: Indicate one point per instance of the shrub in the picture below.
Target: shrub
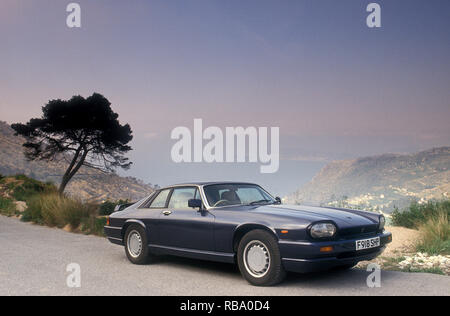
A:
(107, 207)
(417, 214)
(75, 211)
(53, 209)
(435, 235)
(432, 220)
(30, 187)
(93, 225)
(33, 213)
(21, 177)
(7, 207)
(47, 207)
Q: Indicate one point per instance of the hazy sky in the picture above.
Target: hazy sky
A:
(336, 88)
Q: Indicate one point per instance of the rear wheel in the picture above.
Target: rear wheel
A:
(259, 258)
(136, 245)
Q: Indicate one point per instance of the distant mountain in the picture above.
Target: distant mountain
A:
(89, 184)
(381, 181)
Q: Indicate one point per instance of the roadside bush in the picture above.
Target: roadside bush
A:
(28, 187)
(7, 207)
(53, 209)
(418, 214)
(47, 207)
(93, 225)
(107, 207)
(432, 221)
(33, 213)
(435, 235)
(21, 177)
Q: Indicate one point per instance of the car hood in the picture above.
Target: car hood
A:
(343, 218)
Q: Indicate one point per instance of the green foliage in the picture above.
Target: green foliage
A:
(33, 213)
(21, 177)
(46, 206)
(435, 235)
(107, 207)
(434, 247)
(7, 207)
(417, 214)
(54, 210)
(93, 225)
(432, 220)
(434, 270)
(24, 188)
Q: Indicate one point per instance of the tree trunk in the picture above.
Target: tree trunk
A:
(63, 185)
(72, 170)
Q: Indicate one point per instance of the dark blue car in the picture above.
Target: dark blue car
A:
(242, 223)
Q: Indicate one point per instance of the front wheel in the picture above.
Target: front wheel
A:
(259, 259)
(136, 247)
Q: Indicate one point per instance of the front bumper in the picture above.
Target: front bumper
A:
(306, 256)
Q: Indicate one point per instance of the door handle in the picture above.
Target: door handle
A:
(167, 213)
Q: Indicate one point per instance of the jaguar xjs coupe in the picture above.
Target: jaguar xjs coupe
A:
(242, 223)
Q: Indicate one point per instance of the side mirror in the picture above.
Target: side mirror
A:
(195, 203)
(278, 199)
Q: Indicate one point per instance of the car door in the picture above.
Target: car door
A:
(183, 227)
(150, 212)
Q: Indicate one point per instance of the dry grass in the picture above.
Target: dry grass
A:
(435, 235)
(54, 210)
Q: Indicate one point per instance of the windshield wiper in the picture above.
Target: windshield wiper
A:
(259, 202)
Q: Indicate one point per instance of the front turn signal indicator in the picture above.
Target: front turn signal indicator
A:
(107, 221)
(326, 249)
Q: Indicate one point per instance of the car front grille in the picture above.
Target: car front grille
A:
(358, 232)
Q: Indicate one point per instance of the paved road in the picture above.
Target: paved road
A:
(33, 261)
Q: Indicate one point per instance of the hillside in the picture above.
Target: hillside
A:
(381, 181)
(89, 184)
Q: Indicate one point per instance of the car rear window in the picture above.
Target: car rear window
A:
(160, 200)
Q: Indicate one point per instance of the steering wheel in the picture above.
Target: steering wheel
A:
(221, 202)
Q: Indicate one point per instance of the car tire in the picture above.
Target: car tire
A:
(259, 258)
(136, 243)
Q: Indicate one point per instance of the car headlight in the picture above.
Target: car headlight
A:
(382, 222)
(323, 230)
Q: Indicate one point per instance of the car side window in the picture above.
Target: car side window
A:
(146, 203)
(160, 200)
(181, 196)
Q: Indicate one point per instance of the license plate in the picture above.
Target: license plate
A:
(368, 243)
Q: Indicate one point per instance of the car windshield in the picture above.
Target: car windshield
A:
(236, 194)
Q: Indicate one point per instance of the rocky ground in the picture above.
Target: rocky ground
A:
(400, 255)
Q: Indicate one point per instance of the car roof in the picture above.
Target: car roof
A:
(205, 183)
